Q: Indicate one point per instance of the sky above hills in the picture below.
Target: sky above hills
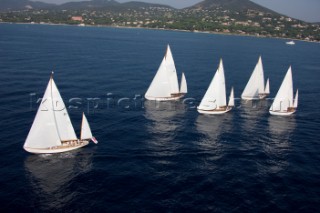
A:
(307, 10)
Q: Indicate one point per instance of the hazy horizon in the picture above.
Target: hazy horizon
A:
(307, 10)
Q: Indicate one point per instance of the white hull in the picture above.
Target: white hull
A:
(214, 112)
(249, 98)
(281, 113)
(174, 98)
(57, 149)
(261, 96)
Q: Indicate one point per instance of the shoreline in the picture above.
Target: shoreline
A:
(163, 29)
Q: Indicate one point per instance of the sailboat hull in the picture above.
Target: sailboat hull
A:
(281, 113)
(172, 98)
(57, 149)
(250, 98)
(214, 112)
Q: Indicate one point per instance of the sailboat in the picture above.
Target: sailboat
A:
(215, 101)
(165, 86)
(284, 104)
(255, 88)
(52, 130)
(290, 42)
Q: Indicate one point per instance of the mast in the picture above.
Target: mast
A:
(222, 99)
(171, 71)
(63, 123)
(81, 130)
(53, 111)
(260, 76)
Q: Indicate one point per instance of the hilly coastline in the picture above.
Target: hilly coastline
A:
(236, 5)
(241, 17)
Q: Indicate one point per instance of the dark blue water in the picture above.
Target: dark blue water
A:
(157, 157)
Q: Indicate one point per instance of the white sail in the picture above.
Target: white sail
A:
(52, 123)
(171, 71)
(164, 85)
(183, 85)
(284, 97)
(52, 131)
(295, 103)
(267, 88)
(222, 101)
(255, 84)
(160, 86)
(231, 98)
(213, 98)
(63, 122)
(44, 131)
(85, 129)
(209, 99)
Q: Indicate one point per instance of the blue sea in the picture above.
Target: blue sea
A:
(157, 157)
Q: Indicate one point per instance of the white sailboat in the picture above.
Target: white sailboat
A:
(284, 104)
(215, 101)
(52, 130)
(165, 86)
(255, 88)
(290, 42)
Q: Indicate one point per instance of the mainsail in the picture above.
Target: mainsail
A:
(215, 96)
(160, 86)
(255, 85)
(164, 85)
(284, 97)
(52, 124)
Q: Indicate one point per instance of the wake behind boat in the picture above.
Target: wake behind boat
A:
(214, 101)
(165, 86)
(255, 89)
(283, 103)
(52, 130)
